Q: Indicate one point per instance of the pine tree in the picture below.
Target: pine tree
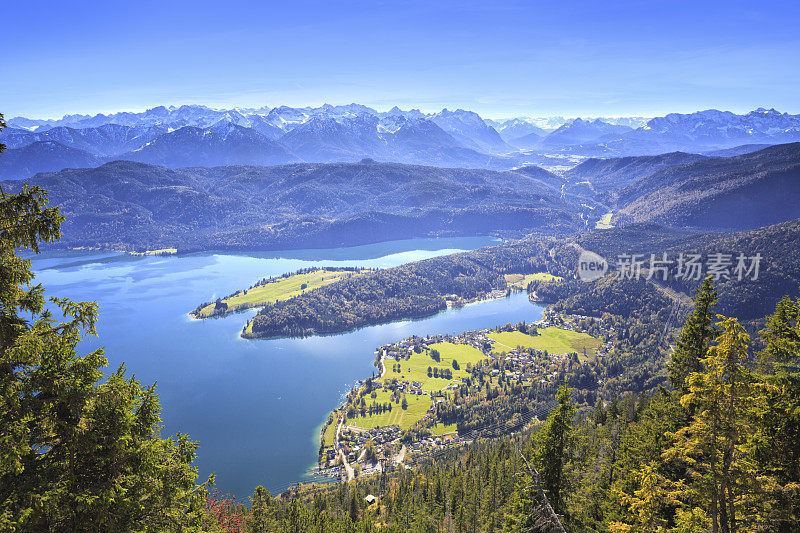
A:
(353, 510)
(695, 336)
(552, 444)
(600, 413)
(647, 503)
(643, 444)
(775, 442)
(528, 507)
(713, 445)
(76, 452)
(260, 512)
(782, 336)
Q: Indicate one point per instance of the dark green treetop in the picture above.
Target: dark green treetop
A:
(77, 452)
(695, 336)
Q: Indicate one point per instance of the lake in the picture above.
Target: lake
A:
(254, 406)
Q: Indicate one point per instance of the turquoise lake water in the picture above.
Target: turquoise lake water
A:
(254, 406)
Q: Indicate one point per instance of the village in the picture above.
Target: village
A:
(392, 419)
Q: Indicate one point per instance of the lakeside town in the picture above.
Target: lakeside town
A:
(405, 413)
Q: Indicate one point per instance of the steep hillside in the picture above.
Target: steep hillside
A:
(618, 172)
(471, 131)
(43, 156)
(138, 206)
(223, 144)
(742, 192)
(779, 269)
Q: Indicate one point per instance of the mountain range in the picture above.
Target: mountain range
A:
(197, 135)
(137, 206)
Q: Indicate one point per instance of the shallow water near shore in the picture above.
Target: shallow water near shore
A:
(254, 406)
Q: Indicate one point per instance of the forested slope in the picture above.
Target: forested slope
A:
(135, 206)
(735, 193)
(407, 291)
(418, 289)
(618, 172)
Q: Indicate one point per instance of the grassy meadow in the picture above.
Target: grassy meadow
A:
(278, 290)
(443, 429)
(329, 437)
(405, 418)
(605, 221)
(520, 281)
(554, 340)
(416, 368)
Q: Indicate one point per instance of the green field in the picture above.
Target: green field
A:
(520, 281)
(416, 368)
(605, 221)
(405, 418)
(280, 289)
(554, 340)
(443, 429)
(329, 437)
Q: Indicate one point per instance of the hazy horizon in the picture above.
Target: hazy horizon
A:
(502, 60)
(380, 109)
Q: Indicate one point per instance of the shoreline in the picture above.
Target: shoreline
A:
(507, 294)
(493, 240)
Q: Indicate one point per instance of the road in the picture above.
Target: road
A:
(347, 468)
(401, 455)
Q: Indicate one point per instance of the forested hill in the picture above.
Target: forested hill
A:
(44, 156)
(419, 289)
(407, 291)
(741, 192)
(137, 206)
(618, 172)
(779, 272)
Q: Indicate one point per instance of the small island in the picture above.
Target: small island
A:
(160, 251)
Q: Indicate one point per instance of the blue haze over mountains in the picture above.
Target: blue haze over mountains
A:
(193, 135)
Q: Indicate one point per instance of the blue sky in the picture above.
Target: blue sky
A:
(500, 58)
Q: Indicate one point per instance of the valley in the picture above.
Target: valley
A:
(400, 267)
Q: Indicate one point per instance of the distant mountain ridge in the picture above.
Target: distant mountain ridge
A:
(700, 132)
(222, 144)
(199, 136)
(137, 206)
(348, 133)
(581, 131)
(712, 126)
